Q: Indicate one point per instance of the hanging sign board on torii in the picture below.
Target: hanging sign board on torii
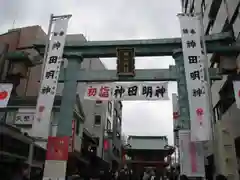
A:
(125, 62)
(127, 91)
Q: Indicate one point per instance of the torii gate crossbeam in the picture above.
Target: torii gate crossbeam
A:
(140, 75)
(154, 47)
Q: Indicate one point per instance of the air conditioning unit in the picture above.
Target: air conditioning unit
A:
(227, 64)
(33, 56)
(18, 68)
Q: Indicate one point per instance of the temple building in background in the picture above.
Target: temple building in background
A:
(143, 152)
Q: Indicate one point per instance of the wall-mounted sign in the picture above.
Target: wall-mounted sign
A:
(125, 91)
(24, 118)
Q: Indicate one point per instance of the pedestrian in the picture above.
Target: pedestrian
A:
(221, 177)
(146, 174)
(152, 175)
(124, 174)
(183, 177)
(20, 171)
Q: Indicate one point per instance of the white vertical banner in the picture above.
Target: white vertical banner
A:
(191, 156)
(50, 77)
(236, 87)
(197, 87)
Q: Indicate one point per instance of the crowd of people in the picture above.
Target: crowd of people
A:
(21, 173)
(122, 174)
(148, 174)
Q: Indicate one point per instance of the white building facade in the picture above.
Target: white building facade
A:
(222, 16)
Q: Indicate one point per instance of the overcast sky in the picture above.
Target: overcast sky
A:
(112, 20)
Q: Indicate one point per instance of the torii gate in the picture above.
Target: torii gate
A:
(77, 52)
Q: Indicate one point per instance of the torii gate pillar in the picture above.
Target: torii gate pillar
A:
(68, 97)
(184, 119)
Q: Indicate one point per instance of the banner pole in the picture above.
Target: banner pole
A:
(46, 46)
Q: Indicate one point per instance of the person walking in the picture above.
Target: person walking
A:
(20, 172)
(221, 177)
(146, 174)
(183, 177)
(152, 175)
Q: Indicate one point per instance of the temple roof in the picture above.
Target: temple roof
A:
(148, 142)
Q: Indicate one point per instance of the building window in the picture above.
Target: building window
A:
(118, 153)
(192, 9)
(236, 15)
(98, 102)
(119, 122)
(216, 65)
(209, 27)
(97, 120)
(215, 6)
(77, 121)
(120, 104)
(228, 27)
(203, 6)
(108, 125)
(226, 94)
(185, 6)
(110, 107)
(217, 113)
(226, 104)
(118, 135)
(115, 113)
(182, 3)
